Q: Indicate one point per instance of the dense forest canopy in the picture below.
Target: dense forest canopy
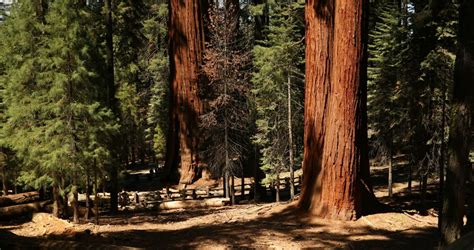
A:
(204, 90)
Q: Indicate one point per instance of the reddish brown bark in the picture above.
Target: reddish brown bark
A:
(186, 49)
(336, 168)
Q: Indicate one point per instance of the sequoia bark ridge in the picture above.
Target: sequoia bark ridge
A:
(335, 165)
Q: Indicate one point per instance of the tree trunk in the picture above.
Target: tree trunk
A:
(88, 200)
(75, 204)
(186, 51)
(336, 170)
(290, 141)
(23, 209)
(4, 180)
(227, 184)
(56, 201)
(111, 101)
(460, 128)
(16, 199)
(442, 159)
(232, 190)
(242, 185)
(277, 189)
(410, 171)
(390, 172)
(96, 198)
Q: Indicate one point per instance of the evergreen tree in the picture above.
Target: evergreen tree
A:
(224, 123)
(155, 63)
(278, 81)
(54, 118)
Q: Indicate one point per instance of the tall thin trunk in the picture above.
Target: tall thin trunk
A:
(96, 197)
(186, 34)
(242, 184)
(223, 186)
(290, 141)
(460, 128)
(277, 188)
(227, 184)
(442, 158)
(390, 172)
(111, 100)
(88, 200)
(255, 174)
(336, 170)
(65, 204)
(232, 190)
(75, 203)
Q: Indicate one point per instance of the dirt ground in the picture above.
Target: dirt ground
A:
(270, 225)
(278, 226)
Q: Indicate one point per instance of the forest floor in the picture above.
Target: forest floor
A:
(269, 225)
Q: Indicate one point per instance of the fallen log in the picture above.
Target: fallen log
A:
(16, 199)
(215, 202)
(23, 209)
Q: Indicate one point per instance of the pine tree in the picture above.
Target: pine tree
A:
(387, 53)
(277, 83)
(54, 118)
(225, 119)
(132, 91)
(155, 62)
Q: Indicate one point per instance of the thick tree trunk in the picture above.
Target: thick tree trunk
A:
(186, 49)
(460, 128)
(56, 202)
(336, 170)
(75, 204)
(23, 209)
(16, 199)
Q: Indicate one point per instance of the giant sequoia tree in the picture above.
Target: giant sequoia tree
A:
(335, 161)
(460, 128)
(186, 34)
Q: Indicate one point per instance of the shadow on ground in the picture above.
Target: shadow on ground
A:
(285, 229)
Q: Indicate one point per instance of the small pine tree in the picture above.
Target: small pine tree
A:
(224, 123)
(278, 90)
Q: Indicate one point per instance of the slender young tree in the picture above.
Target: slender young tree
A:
(335, 166)
(460, 129)
(278, 85)
(224, 122)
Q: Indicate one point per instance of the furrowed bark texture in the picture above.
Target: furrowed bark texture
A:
(335, 165)
(186, 48)
(460, 129)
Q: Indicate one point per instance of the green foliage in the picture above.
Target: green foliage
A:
(55, 121)
(155, 64)
(411, 59)
(279, 59)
